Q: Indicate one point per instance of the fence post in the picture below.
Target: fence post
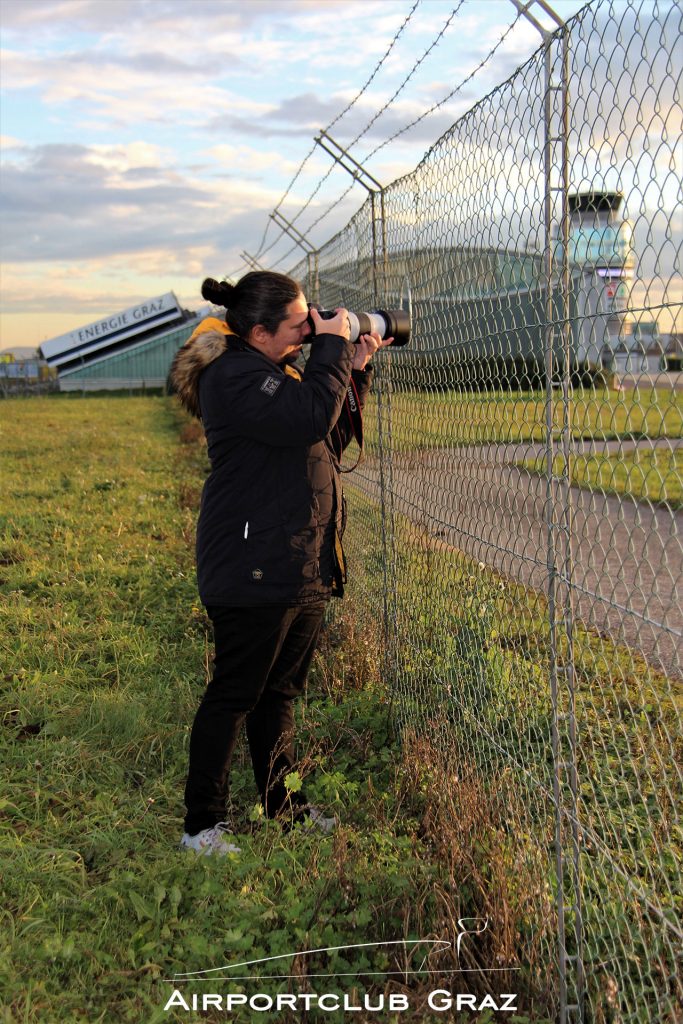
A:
(383, 382)
(251, 261)
(313, 279)
(288, 228)
(386, 448)
(559, 518)
(559, 522)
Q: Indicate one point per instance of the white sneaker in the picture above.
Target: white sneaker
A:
(210, 841)
(316, 819)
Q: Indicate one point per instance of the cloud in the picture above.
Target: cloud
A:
(134, 69)
(117, 224)
(304, 115)
(121, 91)
(10, 142)
(215, 38)
(89, 202)
(103, 285)
(199, 122)
(250, 161)
(45, 16)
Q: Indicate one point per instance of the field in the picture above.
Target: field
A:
(105, 654)
(653, 475)
(454, 418)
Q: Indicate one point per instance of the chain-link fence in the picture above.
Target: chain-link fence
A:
(516, 520)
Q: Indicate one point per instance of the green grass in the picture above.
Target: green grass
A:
(105, 653)
(472, 667)
(653, 475)
(456, 418)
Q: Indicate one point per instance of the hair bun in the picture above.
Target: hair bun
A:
(220, 293)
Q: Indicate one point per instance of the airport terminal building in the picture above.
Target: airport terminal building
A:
(482, 313)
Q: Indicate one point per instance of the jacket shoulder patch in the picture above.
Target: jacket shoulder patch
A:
(270, 385)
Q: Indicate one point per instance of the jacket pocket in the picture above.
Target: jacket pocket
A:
(262, 550)
(281, 549)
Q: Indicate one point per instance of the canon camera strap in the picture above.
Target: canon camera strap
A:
(352, 406)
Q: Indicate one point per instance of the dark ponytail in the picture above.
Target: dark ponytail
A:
(218, 292)
(260, 297)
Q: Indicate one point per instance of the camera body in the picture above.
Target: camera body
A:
(387, 323)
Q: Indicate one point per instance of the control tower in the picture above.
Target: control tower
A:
(602, 259)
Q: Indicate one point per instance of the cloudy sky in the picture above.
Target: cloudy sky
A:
(146, 142)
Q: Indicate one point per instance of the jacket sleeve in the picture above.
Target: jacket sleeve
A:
(269, 406)
(343, 434)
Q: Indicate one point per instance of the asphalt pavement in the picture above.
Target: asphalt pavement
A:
(626, 555)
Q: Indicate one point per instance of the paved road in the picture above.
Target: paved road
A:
(627, 555)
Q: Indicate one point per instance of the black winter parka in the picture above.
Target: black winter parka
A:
(273, 501)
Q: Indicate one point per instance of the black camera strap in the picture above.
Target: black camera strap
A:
(353, 411)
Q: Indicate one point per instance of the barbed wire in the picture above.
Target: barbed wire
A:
(367, 127)
(410, 74)
(379, 65)
(372, 120)
(436, 106)
(379, 112)
(260, 251)
(352, 102)
(451, 94)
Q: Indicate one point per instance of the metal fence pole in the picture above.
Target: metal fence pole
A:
(312, 282)
(374, 188)
(567, 537)
(559, 519)
(384, 458)
(386, 447)
(559, 522)
(315, 289)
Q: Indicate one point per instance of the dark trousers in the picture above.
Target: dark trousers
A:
(262, 659)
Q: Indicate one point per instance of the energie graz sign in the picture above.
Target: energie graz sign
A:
(102, 334)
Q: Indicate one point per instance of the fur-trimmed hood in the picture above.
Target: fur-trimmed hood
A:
(207, 342)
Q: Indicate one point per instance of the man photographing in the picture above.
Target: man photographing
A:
(269, 551)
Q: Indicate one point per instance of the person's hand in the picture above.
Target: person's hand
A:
(367, 345)
(339, 324)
